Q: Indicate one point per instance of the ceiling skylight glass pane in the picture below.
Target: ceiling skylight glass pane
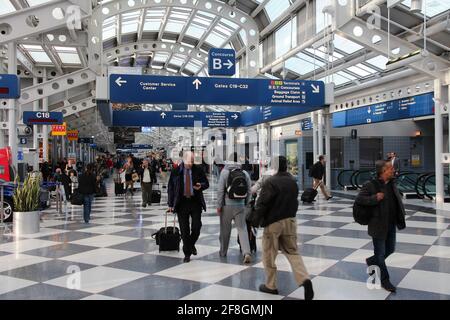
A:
(434, 7)
(358, 71)
(152, 26)
(345, 45)
(275, 8)
(40, 57)
(379, 62)
(69, 58)
(302, 64)
(6, 7)
(175, 27)
(285, 39)
(195, 32)
(130, 27)
(214, 39)
(161, 57)
(33, 3)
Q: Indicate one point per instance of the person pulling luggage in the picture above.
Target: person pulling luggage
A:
(317, 171)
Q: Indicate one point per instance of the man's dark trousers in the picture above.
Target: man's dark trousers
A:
(189, 208)
(383, 249)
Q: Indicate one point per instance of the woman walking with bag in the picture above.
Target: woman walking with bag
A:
(86, 187)
(129, 169)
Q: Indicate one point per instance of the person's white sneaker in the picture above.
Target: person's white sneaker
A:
(247, 259)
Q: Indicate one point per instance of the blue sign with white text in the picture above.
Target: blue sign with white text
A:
(176, 119)
(409, 107)
(259, 115)
(216, 91)
(42, 118)
(221, 62)
(9, 86)
(306, 124)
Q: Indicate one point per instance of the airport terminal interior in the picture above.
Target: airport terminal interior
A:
(95, 92)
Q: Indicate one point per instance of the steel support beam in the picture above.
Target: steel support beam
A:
(79, 106)
(217, 8)
(39, 19)
(12, 117)
(56, 37)
(57, 85)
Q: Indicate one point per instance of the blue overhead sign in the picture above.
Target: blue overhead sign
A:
(9, 86)
(42, 118)
(306, 124)
(135, 146)
(221, 62)
(176, 119)
(410, 107)
(259, 115)
(215, 91)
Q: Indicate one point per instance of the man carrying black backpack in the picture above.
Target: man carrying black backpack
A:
(234, 192)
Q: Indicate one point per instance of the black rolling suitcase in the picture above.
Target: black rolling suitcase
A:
(156, 195)
(309, 194)
(168, 238)
(118, 189)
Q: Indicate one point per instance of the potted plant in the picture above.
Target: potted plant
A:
(26, 206)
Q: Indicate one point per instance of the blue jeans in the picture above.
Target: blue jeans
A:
(87, 207)
(383, 249)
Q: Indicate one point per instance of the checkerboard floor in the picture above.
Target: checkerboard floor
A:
(118, 259)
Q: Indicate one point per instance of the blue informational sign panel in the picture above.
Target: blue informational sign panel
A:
(410, 107)
(23, 141)
(176, 119)
(86, 140)
(42, 118)
(221, 62)
(9, 86)
(135, 146)
(259, 115)
(306, 124)
(215, 91)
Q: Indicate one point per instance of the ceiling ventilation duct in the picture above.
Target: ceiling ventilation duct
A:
(416, 6)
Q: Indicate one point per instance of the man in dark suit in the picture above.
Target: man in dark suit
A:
(185, 197)
(395, 163)
(382, 197)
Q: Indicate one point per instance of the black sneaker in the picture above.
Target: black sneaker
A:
(387, 285)
(194, 250)
(144, 205)
(309, 292)
(264, 289)
(186, 259)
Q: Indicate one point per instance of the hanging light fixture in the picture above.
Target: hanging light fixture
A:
(416, 6)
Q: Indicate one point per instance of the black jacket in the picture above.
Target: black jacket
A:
(379, 223)
(175, 187)
(65, 181)
(141, 173)
(278, 199)
(318, 170)
(87, 184)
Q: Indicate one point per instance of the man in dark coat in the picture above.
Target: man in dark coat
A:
(185, 197)
(317, 173)
(388, 213)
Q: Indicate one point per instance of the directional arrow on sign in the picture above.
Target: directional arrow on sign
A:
(235, 116)
(197, 83)
(316, 89)
(369, 111)
(119, 81)
(229, 64)
(163, 115)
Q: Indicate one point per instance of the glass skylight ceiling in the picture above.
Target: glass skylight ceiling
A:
(434, 7)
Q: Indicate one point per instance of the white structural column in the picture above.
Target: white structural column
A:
(320, 132)
(35, 133)
(12, 121)
(45, 128)
(63, 147)
(327, 117)
(315, 140)
(440, 97)
(264, 145)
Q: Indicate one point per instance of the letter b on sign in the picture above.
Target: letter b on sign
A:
(217, 64)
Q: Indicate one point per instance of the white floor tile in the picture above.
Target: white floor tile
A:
(202, 271)
(314, 266)
(397, 259)
(335, 219)
(427, 281)
(25, 245)
(339, 242)
(313, 212)
(100, 256)
(52, 223)
(314, 230)
(9, 284)
(99, 297)
(110, 220)
(354, 226)
(201, 252)
(44, 232)
(18, 260)
(107, 229)
(102, 241)
(99, 279)
(446, 234)
(217, 292)
(439, 252)
(338, 289)
(426, 224)
(416, 239)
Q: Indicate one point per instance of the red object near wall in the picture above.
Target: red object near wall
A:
(5, 164)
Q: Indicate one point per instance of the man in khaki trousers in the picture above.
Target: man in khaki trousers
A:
(276, 208)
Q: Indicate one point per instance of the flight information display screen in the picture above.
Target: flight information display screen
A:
(410, 107)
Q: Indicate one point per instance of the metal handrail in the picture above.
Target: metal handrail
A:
(340, 176)
(426, 180)
(357, 174)
(419, 184)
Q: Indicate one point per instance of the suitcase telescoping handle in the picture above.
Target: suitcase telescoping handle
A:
(174, 220)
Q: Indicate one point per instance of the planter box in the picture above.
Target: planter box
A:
(26, 222)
